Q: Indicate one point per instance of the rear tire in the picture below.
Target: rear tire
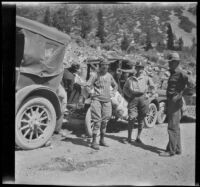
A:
(150, 119)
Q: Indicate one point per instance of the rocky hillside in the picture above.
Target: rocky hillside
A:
(134, 19)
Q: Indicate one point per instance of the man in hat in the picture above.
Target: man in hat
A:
(177, 83)
(101, 109)
(135, 89)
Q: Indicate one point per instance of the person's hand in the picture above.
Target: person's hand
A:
(177, 97)
(112, 93)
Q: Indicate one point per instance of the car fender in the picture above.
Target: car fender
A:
(37, 90)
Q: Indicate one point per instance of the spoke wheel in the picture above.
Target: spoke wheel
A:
(35, 123)
(161, 113)
(150, 119)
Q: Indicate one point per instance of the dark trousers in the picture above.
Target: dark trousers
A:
(174, 117)
(137, 109)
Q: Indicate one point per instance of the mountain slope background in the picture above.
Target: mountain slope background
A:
(133, 19)
(130, 21)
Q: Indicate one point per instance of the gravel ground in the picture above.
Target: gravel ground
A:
(70, 160)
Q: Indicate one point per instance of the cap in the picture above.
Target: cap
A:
(139, 64)
(104, 61)
(174, 57)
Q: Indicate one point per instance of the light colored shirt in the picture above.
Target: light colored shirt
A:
(101, 85)
(142, 84)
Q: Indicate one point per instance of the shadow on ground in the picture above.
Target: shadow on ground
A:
(115, 126)
(143, 146)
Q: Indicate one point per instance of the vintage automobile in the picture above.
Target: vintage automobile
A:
(39, 69)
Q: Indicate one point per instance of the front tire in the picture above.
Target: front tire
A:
(150, 119)
(35, 123)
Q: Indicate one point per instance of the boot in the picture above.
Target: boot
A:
(129, 134)
(128, 140)
(102, 141)
(94, 144)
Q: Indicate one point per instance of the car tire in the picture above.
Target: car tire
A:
(161, 113)
(150, 119)
(35, 123)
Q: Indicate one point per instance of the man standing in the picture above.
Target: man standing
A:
(101, 108)
(135, 89)
(177, 82)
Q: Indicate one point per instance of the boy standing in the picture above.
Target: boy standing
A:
(101, 108)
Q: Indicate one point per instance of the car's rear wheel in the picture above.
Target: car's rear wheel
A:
(35, 123)
(150, 119)
(161, 113)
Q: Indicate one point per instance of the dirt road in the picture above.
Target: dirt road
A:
(70, 160)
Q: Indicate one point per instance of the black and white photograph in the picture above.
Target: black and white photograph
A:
(105, 93)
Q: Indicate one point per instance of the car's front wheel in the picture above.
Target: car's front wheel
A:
(35, 123)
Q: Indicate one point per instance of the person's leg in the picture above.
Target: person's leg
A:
(63, 98)
(142, 111)
(106, 115)
(96, 117)
(132, 113)
(173, 129)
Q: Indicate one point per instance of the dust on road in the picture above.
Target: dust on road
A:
(71, 161)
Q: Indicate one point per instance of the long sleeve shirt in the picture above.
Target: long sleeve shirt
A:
(177, 83)
(101, 85)
(135, 84)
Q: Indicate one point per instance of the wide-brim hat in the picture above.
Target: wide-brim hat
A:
(173, 57)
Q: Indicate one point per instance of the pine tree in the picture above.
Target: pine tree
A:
(85, 21)
(170, 37)
(148, 42)
(180, 44)
(100, 30)
(47, 17)
(62, 20)
(124, 43)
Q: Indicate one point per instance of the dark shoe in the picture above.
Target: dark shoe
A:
(166, 154)
(139, 141)
(103, 143)
(178, 152)
(125, 141)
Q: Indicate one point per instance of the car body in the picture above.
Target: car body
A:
(39, 69)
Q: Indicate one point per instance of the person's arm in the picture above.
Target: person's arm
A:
(90, 83)
(114, 84)
(152, 86)
(126, 89)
